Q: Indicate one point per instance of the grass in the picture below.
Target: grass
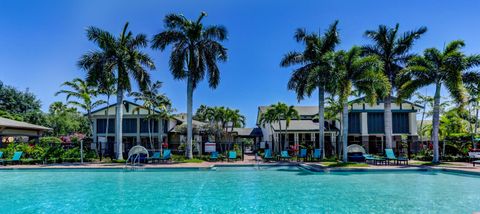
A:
(194, 160)
(342, 164)
(428, 163)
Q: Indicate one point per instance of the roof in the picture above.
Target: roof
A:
(382, 101)
(4, 122)
(302, 110)
(114, 104)
(303, 125)
(248, 132)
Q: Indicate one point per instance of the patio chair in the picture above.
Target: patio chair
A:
(1, 157)
(167, 155)
(303, 154)
(391, 156)
(284, 155)
(232, 155)
(15, 159)
(267, 156)
(214, 156)
(317, 154)
(374, 160)
(476, 162)
(155, 157)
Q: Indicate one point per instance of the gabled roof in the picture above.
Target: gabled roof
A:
(7, 123)
(125, 102)
(303, 125)
(362, 99)
(302, 110)
(248, 132)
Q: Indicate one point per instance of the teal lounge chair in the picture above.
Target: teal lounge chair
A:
(167, 155)
(284, 155)
(374, 160)
(1, 157)
(155, 157)
(476, 162)
(214, 156)
(391, 156)
(317, 154)
(16, 158)
(268, 155)
(232, 155)
(303, 154)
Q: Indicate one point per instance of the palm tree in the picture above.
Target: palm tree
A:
(271, 116)
(196, 50)
(438, 68)
(392, 49)
(84, 94)
(472, 83)
(316, 71)
(359, 73)
(423, 100)
(119, 57)
(289, 113)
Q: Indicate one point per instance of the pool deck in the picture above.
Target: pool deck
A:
(313, 166)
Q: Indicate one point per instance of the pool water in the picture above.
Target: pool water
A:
(236, 190)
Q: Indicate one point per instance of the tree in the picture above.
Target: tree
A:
(472, 84)
(360, 73)
(120, 58)
(316, 69)
(392, 49)
(196, 49)
(423, 100)
(271, 116)
(65, 120)
(20, 105)
(276, 113)
(84, 94)
(438, 68)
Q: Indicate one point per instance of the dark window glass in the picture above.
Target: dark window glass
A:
(102, 125)
(129, 125)
(354, 122)
(400, 122)
(144, 126)
(375, 123)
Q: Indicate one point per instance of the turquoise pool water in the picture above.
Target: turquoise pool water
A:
(236, 190)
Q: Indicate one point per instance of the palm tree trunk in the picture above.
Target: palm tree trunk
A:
(106, 127)
(388, 121)
(280, 136)
(189, 117)
(476, 126)
(119, 120)
(436, 123)
(345, 131)
(421, 123)
(321, 119)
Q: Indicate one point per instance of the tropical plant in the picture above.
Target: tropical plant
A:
(316, 69)
(196, 49)
(84, 94)
(20, 105)
(362, 74)
(439, 68)
(280, 113)
(393, 49)
(66, 120)
(423, 100)
(472, 84)
(119, 58)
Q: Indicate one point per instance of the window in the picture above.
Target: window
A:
(102, 125)
(144, 126)
(375, 123)
(354, 122)
(400, 122)
(129, 125)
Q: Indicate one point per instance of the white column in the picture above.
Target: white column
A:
(138, 131)
(364, 123)
(412, 123)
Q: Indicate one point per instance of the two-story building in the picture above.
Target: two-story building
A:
(365, 125)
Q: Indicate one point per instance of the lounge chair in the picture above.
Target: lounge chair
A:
(284, 155)
(167, 155)
(476, 162)
(317, 154)
(155, 157)
(374, 160)
(267, 156)
(1, 157)
(15, 159)
(391, 156)
(303, 154)
(232, 155)
(214, 156)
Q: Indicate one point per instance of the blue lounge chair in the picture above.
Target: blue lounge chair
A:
(317, 154)
(232, 155)
(284, 155)
(268, 155)
(303, 154)
(214, 156)
(391, 156)
(155, 157)
(374, 160)
(16, 158)
(1, 157)
(167, 155)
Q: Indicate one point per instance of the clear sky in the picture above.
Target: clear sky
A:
(41, 41)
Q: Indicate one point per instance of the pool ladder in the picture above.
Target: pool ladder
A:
(133, 164)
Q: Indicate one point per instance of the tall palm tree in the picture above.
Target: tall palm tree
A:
(438, 68)
(196, 49)
(289, 113)
(271, 116)
(316, 68)
(84, 94)
(472, 83)
(423, 100)
(119, 57)
(393, 49)
(360, 73)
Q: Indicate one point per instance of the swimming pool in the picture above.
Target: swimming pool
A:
(236, 190)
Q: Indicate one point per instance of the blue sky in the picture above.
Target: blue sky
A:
(41, 41)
